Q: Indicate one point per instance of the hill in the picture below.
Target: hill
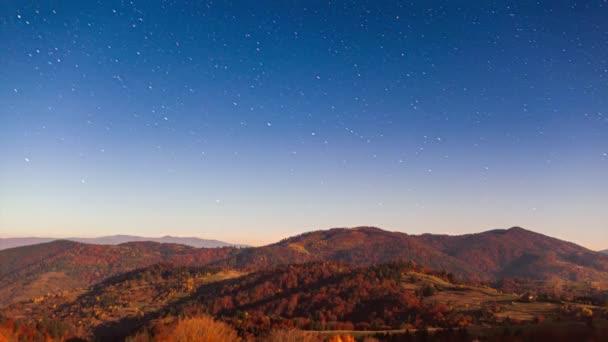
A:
(31, 271)
(532, 260)
(307, 296)
(486, 256)
(334, 296)
(119, 239)
(360, 246)
(127, 296)
(317, 296)
(517, 252)
(604, 251)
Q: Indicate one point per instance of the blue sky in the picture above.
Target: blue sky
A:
(250, 123)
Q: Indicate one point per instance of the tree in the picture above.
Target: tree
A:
(429, 289)
(202, 329)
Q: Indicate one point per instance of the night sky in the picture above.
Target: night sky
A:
(251, 121)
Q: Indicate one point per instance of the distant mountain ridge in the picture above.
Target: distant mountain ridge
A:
(485, 256)
(490, 256)
(605, 251)
(120, 239)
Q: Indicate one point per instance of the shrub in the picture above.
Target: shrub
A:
(343, 338)
(586, 313)
(292, 335)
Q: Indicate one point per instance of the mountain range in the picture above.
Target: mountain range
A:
(363, 280)
(491, 256)
(118, 239)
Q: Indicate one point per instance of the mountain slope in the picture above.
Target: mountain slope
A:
(517, 252)
(30, 271)
(125, 296)
(118, 239)
(490, 255)
(385, 295)
(359, 246)
(604, 251)
(310, 296)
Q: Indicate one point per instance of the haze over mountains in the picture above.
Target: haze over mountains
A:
(118, 239)
(29, 271)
